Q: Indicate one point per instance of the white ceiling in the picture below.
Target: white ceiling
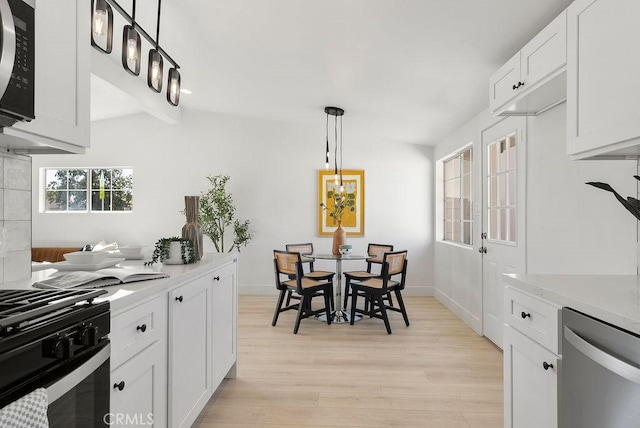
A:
(407, 70)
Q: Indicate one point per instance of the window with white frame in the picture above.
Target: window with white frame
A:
(88, 189)
(458, 197)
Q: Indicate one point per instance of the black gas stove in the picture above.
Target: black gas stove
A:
(46, 337)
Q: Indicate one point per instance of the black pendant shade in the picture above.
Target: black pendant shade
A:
(154, 71)
(131, 50)
(337, 112)
(173, 87)
(101, 26)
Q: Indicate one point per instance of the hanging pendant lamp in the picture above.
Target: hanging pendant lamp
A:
(131, 46)
(154, 66)
(337, 112)
(101, 26)
(173, 87)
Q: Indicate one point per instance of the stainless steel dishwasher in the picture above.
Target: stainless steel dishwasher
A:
(600, 374)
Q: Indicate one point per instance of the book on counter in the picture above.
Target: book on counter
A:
(99, 278)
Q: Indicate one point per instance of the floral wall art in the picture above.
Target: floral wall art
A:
(334, 205)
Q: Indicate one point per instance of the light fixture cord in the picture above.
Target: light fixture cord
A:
(133, 15)
(335, 141)
(341, 184)
(158, 26)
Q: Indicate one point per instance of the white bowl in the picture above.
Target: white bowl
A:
(130, 251)
(85, 257)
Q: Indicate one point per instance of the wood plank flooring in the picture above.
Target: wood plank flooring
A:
(435, 373)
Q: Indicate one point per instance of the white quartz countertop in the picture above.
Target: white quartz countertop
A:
(611, 298)
(125, 295)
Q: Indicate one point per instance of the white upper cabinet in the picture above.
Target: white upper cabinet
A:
(603, 114)
(62, 78)
(534, 79)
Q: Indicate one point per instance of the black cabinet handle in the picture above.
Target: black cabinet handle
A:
(119, 386)
(142, 328)
(547, 366)
(525, 315)
(518, 85)
(179, 299)
(216, 278)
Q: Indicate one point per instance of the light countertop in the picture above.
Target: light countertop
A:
(611, 298)
(124, 295)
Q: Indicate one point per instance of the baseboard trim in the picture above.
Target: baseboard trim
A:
(461, 312)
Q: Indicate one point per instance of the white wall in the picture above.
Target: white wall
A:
(571, 227)
(273, 168)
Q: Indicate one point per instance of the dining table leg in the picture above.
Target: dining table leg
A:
(340, 315)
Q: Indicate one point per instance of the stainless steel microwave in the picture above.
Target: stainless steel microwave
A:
(17, 61)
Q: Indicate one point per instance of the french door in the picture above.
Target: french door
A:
(503, 203)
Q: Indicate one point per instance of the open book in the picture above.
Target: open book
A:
(99, 278)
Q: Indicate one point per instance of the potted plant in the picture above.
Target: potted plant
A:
(217, 212)
(173, 250)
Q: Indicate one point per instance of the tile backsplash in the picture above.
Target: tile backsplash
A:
(15, 216)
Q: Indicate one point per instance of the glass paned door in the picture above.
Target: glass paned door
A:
(502, 189)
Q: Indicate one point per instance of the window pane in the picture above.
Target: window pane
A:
(502, 156)
(56, 179)
(121, 200)
(456, 231)
(466, 186)
(77, 179)
(511, 197)
(77, 201)
(448, 208)
(502, 224)
(452, 188)
(493, 223)
(512, 151)
(493, 158)
(493, 191)
(513, 224)
(98, 204)
(101, 174)
(123, 179)
(502, 190)
(56, 200)
(467, 162)
(466, 209)
(466, 232)
(448, 230)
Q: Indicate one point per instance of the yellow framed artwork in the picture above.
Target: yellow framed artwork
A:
(351, 210)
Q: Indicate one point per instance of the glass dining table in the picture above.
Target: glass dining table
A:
(340, 315)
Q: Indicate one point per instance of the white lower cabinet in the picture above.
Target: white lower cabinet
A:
(190, 358)
(531, 362)
(225, 312)
(171, 352)
(138, 390)
(531, 391)
(139, 365)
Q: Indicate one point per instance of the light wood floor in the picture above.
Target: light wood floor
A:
(435, 373)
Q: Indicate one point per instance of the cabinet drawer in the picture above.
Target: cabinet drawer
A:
(136, 328)
(533, 317)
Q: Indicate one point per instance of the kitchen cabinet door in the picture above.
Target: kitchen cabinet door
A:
(62, 79)
(190, 359)
(139, 389)
(533, 80)
(503, 83)
(603, 78)
(225, 309)
(531, 391)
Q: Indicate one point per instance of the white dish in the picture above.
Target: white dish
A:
(85, 257)
(118, 255)
(86, 266)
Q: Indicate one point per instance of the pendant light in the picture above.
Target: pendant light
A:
(101, 26)
(173, 87)
(337, 112)
(131, 46)
(154, 66)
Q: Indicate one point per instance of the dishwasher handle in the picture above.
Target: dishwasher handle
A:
(608, 361)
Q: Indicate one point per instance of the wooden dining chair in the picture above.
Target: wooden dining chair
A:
(374, 268)
(288, 265)
(392, 279)
(305, 250)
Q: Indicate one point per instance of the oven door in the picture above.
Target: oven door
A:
(80, 398)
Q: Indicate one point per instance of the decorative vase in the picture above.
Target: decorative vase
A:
(191, 229)
(339, 238)
(175, 254)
